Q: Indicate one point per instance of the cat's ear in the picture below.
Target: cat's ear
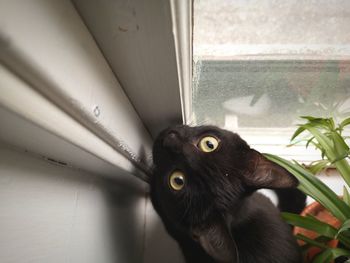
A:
(217, 242)
(264, 173)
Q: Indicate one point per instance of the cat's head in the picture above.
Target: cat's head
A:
(204, 171)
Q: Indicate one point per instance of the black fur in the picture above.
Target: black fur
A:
(218, 216)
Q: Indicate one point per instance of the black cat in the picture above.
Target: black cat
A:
(204, 189)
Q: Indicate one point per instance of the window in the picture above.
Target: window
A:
(258, 65)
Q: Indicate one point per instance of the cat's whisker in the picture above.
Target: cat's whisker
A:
(202, 122)
(191, 122)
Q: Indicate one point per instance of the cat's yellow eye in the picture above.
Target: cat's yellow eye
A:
(208, 144)
(177, 180)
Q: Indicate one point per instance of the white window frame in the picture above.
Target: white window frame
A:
(58, 82)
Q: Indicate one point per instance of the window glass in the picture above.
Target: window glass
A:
(258, 65)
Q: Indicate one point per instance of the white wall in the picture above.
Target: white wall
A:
(159, 246)
(53, 77)
(50, 213)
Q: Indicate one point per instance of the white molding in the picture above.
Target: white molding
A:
(41, 127)
(46, 44)
(58, 58)
(181, 12)
(137, 40)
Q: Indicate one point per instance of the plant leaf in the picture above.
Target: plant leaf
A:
(337, 252)
(346, 196)
(310, 223)
(311, 242)
(297, 132)
(309, 141)
(324, 257)
(330, 254)
(315, 188)
(310, 118)
(344, 227)
(341, 149)
(323, 140)
(344, 123)
(320, 239)
(318, 166)
(324, 123)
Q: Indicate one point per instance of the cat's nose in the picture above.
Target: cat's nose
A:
(172, 141)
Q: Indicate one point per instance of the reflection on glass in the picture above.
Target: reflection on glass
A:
(270, 93)
(258, 65)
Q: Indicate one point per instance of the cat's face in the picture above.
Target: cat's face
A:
(204, 171)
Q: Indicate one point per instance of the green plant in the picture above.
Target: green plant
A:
(328, 137)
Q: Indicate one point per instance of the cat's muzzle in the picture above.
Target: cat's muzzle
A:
(172, 141)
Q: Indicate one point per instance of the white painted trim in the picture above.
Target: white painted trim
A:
(181, 12)
(137, 40)
(16, 96)
(57, 57)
